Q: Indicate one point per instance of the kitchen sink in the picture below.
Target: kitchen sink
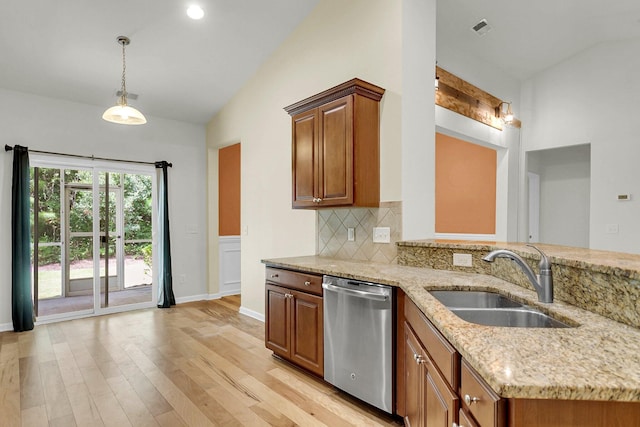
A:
(474, 299)
(523, 317)
(494, 309)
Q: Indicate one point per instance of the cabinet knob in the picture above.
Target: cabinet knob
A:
(469, 400)
(273, 276)
(307, 283)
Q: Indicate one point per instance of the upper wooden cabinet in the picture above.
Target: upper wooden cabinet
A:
(336, 147)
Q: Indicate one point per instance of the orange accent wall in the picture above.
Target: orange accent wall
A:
(465, 187)
(229, 190)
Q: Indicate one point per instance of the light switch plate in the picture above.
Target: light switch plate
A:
(381, 235)
(462, 260)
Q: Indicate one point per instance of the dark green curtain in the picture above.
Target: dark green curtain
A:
(165, 295)
(21, 296)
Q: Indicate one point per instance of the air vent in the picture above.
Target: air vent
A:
(482, 28)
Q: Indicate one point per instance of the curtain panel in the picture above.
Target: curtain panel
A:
(165, 286)
(21, 293)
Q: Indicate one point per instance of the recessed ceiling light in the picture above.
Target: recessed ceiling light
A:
(195, 12)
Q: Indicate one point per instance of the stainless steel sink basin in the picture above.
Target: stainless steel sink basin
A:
(509, 317)
(473, 299)
(493, 309)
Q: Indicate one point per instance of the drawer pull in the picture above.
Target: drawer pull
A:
(469, 400)
(307, 283)
(273, 276)
(288, 295)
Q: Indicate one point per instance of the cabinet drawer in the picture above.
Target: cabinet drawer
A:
(480, 401)
(305, 282)
(445, 357)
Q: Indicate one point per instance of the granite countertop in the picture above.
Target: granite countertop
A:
(597, 360)
(608, 262)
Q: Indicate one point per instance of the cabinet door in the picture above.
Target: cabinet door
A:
(464, 420)
(304, 158)
(440, 403)
(307, 332)
(413, 378)
(277, 322)
(335, 157)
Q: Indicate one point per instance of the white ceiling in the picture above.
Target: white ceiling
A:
(187, 70)
(182, 69)
(529, 36)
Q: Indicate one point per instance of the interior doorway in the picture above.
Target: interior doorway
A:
(229, 164)
(563, 199)
(93, 227)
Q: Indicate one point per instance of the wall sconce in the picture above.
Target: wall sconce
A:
(505, 116)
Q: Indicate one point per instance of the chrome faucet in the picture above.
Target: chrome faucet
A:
(543, 282)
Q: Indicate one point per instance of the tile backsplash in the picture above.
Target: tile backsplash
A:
(332, 232)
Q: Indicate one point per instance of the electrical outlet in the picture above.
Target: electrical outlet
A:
(462, 260)
(182, 279)
(381, 235)
(612, 228)
(351, 234)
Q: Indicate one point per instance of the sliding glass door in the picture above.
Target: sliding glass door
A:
(94, 238)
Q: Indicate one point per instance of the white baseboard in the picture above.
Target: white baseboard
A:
(4, 327)
(460, 236)
(251, 313)
(224, 294)
(192, 298)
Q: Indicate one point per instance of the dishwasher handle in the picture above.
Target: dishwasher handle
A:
(355, 292)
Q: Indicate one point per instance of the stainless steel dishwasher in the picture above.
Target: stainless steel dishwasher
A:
(358, 339)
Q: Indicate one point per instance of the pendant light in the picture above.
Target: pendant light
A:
(123, 113)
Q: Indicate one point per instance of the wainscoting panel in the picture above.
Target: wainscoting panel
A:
(229, 250)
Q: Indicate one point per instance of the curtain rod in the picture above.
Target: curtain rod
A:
(9, 148)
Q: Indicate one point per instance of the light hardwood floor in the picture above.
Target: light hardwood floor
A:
(196, 364)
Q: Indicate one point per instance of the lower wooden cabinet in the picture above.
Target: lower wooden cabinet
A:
(480, 401)
(428, 399)
(436, 379)
(293, 326)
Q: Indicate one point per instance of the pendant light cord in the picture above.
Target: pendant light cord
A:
(123, 97)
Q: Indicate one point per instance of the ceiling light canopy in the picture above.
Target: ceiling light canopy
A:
(195, 12)
(122, 113)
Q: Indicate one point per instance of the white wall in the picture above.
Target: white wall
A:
(418, 119)
(54, 125)
(336, 42)
(593, 98)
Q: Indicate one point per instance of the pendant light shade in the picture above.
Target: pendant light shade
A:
(122, 113)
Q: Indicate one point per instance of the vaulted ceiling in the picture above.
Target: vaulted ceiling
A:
(187, 70)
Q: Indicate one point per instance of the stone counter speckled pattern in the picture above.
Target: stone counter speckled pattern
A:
(598, 360)
(607, 283)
